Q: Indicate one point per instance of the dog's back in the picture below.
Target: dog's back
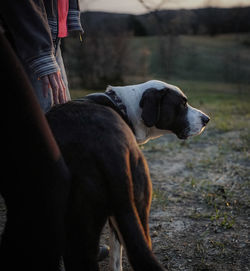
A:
(110, 179)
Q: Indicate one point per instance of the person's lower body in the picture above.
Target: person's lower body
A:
(47, 102)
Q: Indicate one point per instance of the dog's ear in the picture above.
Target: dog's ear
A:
(150, 104)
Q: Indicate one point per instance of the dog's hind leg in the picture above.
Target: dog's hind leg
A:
(85, 222)
(115, 260)
(82, 248)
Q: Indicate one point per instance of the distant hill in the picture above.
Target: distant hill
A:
(210, 21)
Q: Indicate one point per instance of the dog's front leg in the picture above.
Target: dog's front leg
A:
(115, 260)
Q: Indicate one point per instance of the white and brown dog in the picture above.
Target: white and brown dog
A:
(98, 136)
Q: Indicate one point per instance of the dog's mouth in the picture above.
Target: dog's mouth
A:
(184, 134)
(187, 133)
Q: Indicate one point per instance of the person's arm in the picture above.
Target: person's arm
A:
(74, 20)
(28, 25)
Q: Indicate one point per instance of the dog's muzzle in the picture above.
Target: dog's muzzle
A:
(197, 121)
(205, 119)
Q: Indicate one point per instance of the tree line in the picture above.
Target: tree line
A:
(209, 21)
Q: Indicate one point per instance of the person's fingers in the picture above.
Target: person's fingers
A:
(64, 91)
(55, 82)
(54, 87)
(45, 85)
(61, 89)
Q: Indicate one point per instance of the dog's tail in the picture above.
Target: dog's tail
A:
(140, 255)
(128, 226)
(132, 236)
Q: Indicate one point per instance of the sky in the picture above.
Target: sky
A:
(135, 7)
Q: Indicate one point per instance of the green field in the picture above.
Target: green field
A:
(221, 62)
(196, 63)
(224, 58)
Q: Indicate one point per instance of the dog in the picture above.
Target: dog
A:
(99, 136)
(148, 109)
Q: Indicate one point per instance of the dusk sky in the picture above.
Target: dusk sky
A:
(133, 6)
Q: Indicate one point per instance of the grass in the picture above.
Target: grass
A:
(217, 63)
(78, 93)
(223, 58)
(159, 198)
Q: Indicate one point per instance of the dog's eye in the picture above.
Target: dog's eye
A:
(184, 102)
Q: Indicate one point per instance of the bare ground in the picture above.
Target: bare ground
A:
(200, 215)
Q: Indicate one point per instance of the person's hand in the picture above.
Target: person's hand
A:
(54, 82)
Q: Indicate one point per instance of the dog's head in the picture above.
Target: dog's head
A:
(167, 109)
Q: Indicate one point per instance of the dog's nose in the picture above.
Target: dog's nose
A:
(205, 119)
